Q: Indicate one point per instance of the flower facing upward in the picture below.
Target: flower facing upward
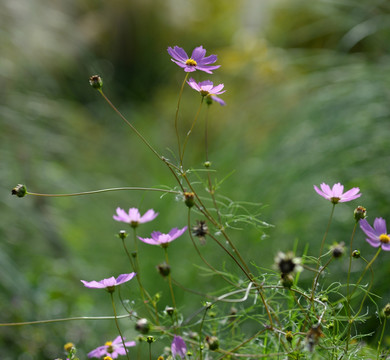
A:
(197, 61)
(178, 347)
(207, 89)
(158, 238)
(134, 218)
(111, 348)
(376, 236)
(336, 195)
(109, 283)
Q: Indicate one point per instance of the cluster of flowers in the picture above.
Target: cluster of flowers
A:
(198, 61)
(377, 235)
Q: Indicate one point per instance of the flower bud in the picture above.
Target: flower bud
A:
(164, 269)
(96, 82)
(143, 326)
(207, 164)
(356, 254)
(337, 250)
(209, 100)
(189, 199)
(68, 346)
(170, 310)
(19, 190)
(360, 213)
(150, 339)
(212, 342)
(122, 234)
(386, 310)
(289, 336)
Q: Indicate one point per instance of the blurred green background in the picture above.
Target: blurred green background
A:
(307, 102)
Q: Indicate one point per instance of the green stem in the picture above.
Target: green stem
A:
(117, 324)
(190, 131)
(177, 113)
(105, 190)
(170, 284)
(380, 339)
(325, 235)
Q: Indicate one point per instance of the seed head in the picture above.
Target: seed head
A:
(96, 82)
(19, 190)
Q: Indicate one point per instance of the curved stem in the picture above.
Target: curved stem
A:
(170, 285)
(105, 190)
(117, 325)
(380, 339)
(177, 114)
(190, 131)
(325, 235)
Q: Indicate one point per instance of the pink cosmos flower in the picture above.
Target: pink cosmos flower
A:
(197, 61)
(163, 239)
(111, 348)
(134, 217)
(206, 88)
(109, 283)
(178, 347)
(336, 195)
(376, 236)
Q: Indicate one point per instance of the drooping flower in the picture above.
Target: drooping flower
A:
(197, 61)
(111, 348)
(207, 89)
(378, 235)
(133, 217)
(178, 347)
(109, 283)
(158, 238)
(336, 195)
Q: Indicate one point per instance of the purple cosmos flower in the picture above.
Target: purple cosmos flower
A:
(163, 239)
(111, 348)
(336, 195)
(109, 283)
(206, 88)
(197, 61)
(178, 347)
(134, 217)
(376, 236)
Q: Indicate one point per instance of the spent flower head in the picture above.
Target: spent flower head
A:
(133, 217)
(111, 348)
(376, 236)
(158, 238)
(178, 347)
(287, 263)
(207, 89)
(109, 283)
(197, 61)
(336, 195)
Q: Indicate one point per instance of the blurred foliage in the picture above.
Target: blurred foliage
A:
(308, 102)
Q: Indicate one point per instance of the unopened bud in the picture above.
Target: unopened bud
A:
(68, 346)
(19, 190)
(386, 310)
(287, 280)
(207, 164)
(143, 326)
(337, 250)
(360, 213)
(289, 336)
(189, 199)
(212, 342)
(170, 310)
(96, 82)
(150, 339)
(164, 269)
(356, 254)
(122, 234)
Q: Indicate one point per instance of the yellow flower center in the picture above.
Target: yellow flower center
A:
(191, 62)
(384, 238)
(108, 343)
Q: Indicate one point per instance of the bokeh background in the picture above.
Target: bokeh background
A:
(307, 102)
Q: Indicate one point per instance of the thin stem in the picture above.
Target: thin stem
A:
(130, 125)
(200, 333)
(105, 190)
(349, 267)
(380, 339)
(190, 131)
(37, 322)
(177, 113)
(117, 324)
(325, 235)
(170, 284)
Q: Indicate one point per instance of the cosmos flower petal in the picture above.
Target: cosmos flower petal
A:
(149, 241)
(178, 347)
(373, 242)
(110, 282)
(178, 53)
(218, 100)
(93, 284)
(193, 84)
(336, 195)
(198, 54)
(124, 278)
(134, 214)
(386, 247)
(337, 190)
(148, 216)
(380, 226)
(326, 189)
(367, 229)
(218, 88)
(209, 60)
(320, 192)
(121, 215)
